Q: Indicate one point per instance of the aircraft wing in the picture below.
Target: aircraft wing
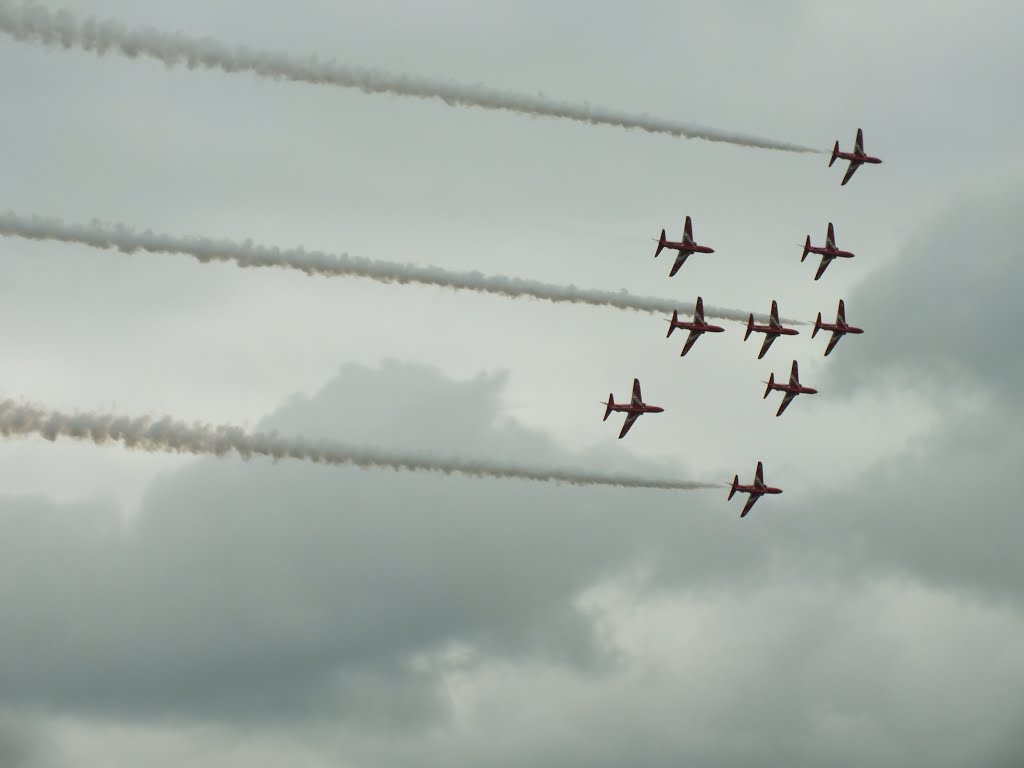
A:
(768, 339)
(854, 165)
(630, 418)
(825, 261)
(794, 375)
(637, 397)
(786, 400)
(694, 335)
(751, 500)
(680, 260)
(836, 336)
(858, 144)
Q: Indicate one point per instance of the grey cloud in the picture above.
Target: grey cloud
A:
(948, 307)
(22, 743)
(262, 591)
(941, 325)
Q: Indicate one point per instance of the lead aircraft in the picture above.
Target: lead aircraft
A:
(685, 247)
(857, 158)
(839, 329)
(772, 331)
(756, 490)
(696, 328)
(635, 408)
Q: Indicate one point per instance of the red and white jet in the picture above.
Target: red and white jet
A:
(856, 158)
(696, 328)
(839, 328)
(756, 491)
(633, 410)
(772, 331)
(792, 389)
(685, 247)
(827, 253)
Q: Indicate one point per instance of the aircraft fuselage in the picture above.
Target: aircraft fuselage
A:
(858, 158)
(774, 331)
(634, 408)
(826, 251)
(796, 389)
(685, 248)
(837, 328)
(701, 327)
(760, 490)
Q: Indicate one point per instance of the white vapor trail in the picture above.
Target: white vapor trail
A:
(32, 22)
(168, 435)
(248, 254)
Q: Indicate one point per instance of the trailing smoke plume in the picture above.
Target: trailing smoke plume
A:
(32, 22)
(168, 435)
(249, 254)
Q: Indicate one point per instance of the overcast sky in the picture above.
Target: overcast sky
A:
(165, 610)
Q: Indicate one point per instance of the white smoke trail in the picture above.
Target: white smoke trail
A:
(248, 254)
(168, 435)
(32, 22)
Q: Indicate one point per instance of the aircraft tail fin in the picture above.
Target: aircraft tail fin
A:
(661, 244)
(835, 154)
(817, 326)
(672, 323)
(750, 327)
(771, 383)
(608, 406)
(807, 248)
(732, 488)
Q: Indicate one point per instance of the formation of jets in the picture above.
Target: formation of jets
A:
(829, 252)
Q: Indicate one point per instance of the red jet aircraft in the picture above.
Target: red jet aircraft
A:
(772, 331)
(839, 329)
(756, 491)
(792, 389)
(633, 410)
(828, 253)
(696, 328)
(856, 158)
(686, 246)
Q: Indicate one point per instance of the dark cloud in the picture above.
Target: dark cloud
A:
(22, 745)
(254, 590)
(941, 326)
(947, 307)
